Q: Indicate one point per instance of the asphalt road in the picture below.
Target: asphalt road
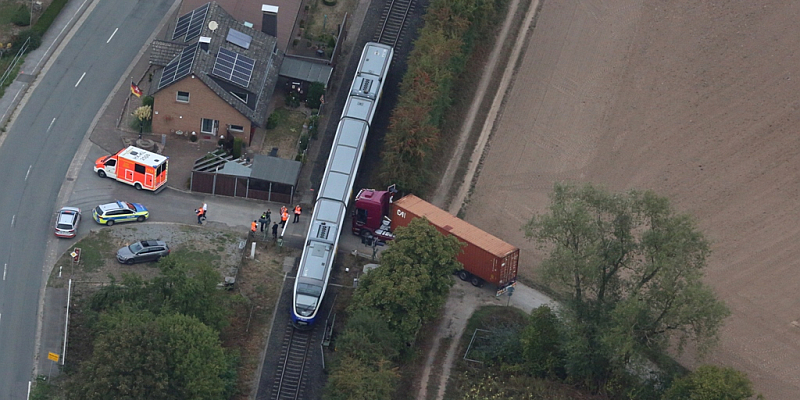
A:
(36, 154)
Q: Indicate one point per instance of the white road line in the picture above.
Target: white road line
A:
(29, 172)
(5, 268)
(79, 80)
(112, 35)
(51, 124)
(12, 220)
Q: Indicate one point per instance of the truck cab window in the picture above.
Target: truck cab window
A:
(361, 215)
(110, 163)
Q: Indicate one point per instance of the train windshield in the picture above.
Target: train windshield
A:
(307, 298)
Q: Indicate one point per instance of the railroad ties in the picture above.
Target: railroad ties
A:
(290, 381)
(393, 20)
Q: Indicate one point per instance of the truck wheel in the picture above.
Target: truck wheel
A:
(475, 281)
(138, 186)
(101, 173)
(110, 222)
(140, 219)
(463, 275)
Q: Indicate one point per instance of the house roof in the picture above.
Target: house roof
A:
(274, 169)
(162, 52)
(217, 51)
(308, 71)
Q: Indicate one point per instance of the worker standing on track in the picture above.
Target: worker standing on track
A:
(297, 211)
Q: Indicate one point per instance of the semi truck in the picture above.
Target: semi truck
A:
(485, 258)
(139, 168)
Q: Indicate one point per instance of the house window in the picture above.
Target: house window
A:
(236, 128)
(208, 126)
(182, 97)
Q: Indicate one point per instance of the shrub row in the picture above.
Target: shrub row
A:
(440, 55)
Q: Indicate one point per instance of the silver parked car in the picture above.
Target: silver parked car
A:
(143, 251)
(67, 220)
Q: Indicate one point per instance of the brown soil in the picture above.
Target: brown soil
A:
(695, 100)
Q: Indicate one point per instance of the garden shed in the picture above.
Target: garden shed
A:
(265, 178)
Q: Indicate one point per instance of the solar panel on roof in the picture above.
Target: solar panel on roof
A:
(196, 25)
(239, 38)
(182, 26)
(179, 67)
(234, 67)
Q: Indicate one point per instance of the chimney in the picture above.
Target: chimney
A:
(269, 20)
(204, 42)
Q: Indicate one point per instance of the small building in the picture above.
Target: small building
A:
(266, 178)
(219, 79)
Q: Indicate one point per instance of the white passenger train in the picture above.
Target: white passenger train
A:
(334, 194)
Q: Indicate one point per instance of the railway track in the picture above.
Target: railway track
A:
(290, 381)
(393, 22)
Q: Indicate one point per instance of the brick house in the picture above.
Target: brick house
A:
(219, 78)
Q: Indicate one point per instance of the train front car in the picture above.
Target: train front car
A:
(336, 188)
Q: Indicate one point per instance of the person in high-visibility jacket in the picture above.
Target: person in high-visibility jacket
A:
(284, 218)
(297, 211)
(253, 227)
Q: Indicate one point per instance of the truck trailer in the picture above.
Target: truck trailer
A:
(139, 168)
(485, 258)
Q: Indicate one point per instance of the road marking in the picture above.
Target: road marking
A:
(79, 80)
(28, 173)
(12, 220)
(5, 268)
(51, 124)
(112, 35)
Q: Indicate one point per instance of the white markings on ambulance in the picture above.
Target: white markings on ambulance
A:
(79, 80)
(112, 35)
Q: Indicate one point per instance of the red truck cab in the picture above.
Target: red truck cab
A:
(370, 214)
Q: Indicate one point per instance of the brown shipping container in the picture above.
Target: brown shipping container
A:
(484, 255)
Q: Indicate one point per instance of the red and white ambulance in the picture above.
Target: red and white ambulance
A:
(139, 168)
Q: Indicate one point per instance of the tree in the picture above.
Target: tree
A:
(541, 344)
(140, 356)
(631, 272)
(710, 382)
(414, 278)
(368, 338)
(353, 379)
(315, 92)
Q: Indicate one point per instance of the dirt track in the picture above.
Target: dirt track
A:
(695, 100)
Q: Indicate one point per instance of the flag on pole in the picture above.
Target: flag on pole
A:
(135, 90)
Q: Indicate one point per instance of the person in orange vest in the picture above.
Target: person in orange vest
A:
(297, 211)
(284, 218)
(284, 209)
(200, 214)
(253, 228)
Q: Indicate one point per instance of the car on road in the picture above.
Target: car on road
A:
(119, 211)
(143, 251)
(67, 220)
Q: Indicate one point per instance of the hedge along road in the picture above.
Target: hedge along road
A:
(36, 153)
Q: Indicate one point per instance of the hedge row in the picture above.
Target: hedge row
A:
(440, 55)
(49, 16)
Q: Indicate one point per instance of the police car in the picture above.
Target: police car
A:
(119, 211)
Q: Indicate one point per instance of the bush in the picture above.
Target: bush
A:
(293, 99)
(313, 125)
(238, 143)
(273, 120)
(303, 142)
(48, 16)
(329, 2)
(148, 101)
(21, 16)
(19, 41)
(315, 92)
(541, 344)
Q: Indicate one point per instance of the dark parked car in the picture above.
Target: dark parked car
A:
(142, 251)
(67, 220)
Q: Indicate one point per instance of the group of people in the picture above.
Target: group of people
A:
(266, 219)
